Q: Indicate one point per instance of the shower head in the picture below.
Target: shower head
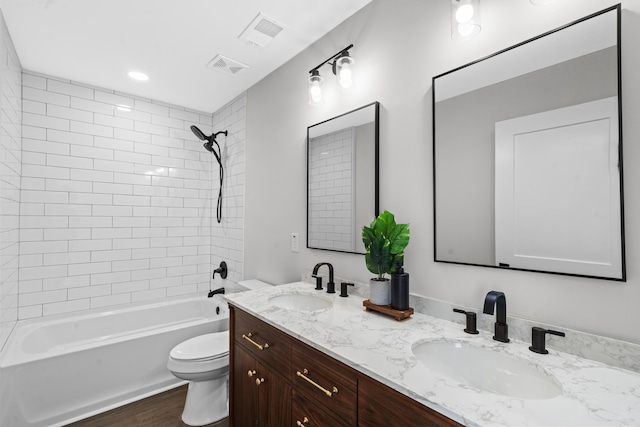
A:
(208, 145)
(197, 132)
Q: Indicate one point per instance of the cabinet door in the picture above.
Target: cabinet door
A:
(245, 391)
(274, 398)
(261, 398)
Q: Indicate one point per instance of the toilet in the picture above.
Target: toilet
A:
(204, 362)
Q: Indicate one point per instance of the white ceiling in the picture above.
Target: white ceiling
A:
(98, 41)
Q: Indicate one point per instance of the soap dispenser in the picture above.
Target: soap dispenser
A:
(400, 289)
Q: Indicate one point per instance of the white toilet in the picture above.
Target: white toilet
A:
(204, 362)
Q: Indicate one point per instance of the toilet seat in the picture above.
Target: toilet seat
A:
(202, 348)
(206, 354)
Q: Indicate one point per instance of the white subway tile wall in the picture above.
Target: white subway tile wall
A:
(119, 196)
(10, 170)
(331, 189)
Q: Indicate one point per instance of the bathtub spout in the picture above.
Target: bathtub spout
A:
(216, 291)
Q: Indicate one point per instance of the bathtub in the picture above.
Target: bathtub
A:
(57, 370)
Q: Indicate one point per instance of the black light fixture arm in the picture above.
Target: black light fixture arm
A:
(332, 58)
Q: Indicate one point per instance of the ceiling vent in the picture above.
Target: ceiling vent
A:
(261, 31)
(226, 65)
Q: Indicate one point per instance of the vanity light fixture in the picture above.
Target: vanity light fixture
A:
(315, 88)
(465, 19)
(341, 68)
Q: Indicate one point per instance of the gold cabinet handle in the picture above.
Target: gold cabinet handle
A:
(259, 381)
(302, 423)
(315, 384)
(251, 373)
(248, 338)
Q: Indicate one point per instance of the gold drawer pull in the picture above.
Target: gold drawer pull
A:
(251, 373)
(248, 338)
(305, 420)
(315, 384)
(259, 381)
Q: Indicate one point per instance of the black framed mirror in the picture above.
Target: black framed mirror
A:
(342, 179)
(528, 155)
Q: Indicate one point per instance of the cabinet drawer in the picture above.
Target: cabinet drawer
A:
(266, 343)
(381, 406)
(329, 383)
(305, 412)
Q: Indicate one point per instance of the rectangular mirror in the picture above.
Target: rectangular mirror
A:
(342, 179)
(528, 155)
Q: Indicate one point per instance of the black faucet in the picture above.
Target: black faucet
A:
(331, 287)
(215, 292)
(495, 298)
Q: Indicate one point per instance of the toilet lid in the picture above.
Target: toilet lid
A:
(207, 346)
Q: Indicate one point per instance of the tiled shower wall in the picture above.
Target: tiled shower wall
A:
(117, 197)
(10, 166)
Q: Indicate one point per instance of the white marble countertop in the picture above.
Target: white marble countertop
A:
(594, 394)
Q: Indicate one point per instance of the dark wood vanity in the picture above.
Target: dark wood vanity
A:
(277, 381)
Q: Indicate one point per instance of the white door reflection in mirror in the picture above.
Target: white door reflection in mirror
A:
(557, 175)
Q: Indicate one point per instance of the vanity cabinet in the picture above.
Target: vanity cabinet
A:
(278, 381)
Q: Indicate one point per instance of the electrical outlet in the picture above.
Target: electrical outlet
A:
(295, 242)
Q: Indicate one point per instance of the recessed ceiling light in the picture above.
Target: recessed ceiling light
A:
(137, 75)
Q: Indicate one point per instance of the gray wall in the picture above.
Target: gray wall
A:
(399, 47)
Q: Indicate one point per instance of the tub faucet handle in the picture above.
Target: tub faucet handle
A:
(222, 270)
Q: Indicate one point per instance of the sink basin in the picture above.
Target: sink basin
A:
(301, 302)
(487, 369)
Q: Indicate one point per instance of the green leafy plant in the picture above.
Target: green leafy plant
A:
(384, 243)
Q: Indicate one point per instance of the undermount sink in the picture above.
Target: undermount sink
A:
(487, 369)
(301, 302)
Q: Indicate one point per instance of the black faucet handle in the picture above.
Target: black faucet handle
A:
(318, 282)
(538, 339)
(343, 288)
(222, 270)
(471, 321)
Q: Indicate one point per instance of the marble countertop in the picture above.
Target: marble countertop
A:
(594, 394)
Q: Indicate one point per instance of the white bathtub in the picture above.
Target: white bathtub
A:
(54, 371)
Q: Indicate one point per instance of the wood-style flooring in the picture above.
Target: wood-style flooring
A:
(161, 410)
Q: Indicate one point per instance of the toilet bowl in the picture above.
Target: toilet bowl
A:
(204, 362)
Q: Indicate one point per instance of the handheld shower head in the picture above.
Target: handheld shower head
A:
(197, 132)
(208, 145)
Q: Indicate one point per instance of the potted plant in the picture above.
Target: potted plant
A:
(384, 243)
